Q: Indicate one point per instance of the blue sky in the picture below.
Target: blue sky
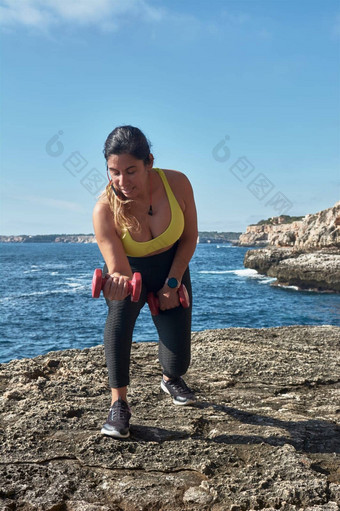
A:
(241, 95)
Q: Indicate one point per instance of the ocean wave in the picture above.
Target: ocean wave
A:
(247, 272)
(267, 280)
(72, 287)
(239, 272)
(244, 272)
(52, 266)
(75, 284)
(226, 246)
(289, 287)
(253, 274)
(46, 266)
(216, 272)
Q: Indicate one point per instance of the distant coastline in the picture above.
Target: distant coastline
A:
(255, 235)
(203, 237)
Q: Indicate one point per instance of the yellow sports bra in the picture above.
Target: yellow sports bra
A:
(171, 234)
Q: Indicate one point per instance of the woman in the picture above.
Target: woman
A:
(145, 221)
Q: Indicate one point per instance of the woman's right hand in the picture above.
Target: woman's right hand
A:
(116, 286)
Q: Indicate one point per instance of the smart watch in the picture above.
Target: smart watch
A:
(172, 282)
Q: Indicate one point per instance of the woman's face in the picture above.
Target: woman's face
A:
(129, 175)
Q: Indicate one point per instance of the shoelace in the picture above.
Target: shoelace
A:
(119, 410)
(180, 386)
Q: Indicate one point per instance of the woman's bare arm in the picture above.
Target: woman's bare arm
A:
(187, 242)
(112, 251)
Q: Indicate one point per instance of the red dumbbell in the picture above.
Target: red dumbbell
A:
(98, 283)
(153, 300)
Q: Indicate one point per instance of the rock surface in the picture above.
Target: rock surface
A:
(305, 253)
(263, 434)
(315, 231)
(317, 270)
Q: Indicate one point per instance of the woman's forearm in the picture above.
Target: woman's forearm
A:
(185, 250)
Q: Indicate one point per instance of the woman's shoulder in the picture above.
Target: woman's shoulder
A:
(103, 218)
(103, 199)
(176, 179)
(102, 206)
(171, 172)
(175, 176)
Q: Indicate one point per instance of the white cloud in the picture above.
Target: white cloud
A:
(107, 14)
(20, 13)
(46, 16)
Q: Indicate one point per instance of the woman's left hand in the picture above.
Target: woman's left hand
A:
(168, 298)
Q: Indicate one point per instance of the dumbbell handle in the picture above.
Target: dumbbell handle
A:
(153, 300)
(134, 285)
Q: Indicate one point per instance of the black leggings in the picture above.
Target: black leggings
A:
(173, 325)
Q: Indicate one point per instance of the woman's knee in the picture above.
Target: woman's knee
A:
(175, 358)
(176, 368)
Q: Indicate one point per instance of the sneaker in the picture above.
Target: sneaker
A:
(117, 423)
(179, 391)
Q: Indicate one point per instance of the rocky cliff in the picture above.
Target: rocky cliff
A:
(263, 434)
(315, 231)
(305, 253)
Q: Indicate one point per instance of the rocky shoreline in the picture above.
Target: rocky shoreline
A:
(203, 237)
(307, 270)
(49, 238)
(304, 253)
(264, 433)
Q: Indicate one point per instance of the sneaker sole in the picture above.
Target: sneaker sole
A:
(178, 403)
(114, 434)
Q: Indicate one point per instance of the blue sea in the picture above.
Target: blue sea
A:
(46, 301)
